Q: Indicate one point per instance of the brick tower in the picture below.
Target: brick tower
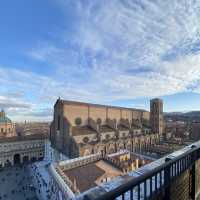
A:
(156, 116)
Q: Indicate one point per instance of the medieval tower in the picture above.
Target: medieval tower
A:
(156, 116)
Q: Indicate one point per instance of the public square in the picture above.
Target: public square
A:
(15, 183)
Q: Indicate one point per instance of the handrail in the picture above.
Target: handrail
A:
(171, 166)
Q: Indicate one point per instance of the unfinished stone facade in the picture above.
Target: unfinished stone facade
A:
(80, 128)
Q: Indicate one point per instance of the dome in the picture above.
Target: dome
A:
(3, 118)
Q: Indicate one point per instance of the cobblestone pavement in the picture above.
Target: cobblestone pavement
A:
(16, 184)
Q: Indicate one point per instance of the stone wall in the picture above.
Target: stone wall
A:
(111, 146)
(180, 187)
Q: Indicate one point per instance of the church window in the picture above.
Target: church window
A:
(78, 121)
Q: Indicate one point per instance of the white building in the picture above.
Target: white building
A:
(22, 149)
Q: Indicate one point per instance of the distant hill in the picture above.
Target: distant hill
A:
(185, 116)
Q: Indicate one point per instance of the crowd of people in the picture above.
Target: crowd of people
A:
(16, 184)
(41, 180)
(26, 182)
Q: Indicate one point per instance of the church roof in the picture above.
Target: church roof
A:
(82, 130)
(3, 118)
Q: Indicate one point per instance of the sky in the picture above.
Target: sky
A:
(117, 52)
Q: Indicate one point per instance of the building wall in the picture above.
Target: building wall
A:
(7, 130)
(98, 113)
(146, 115)
(85, 111)
(197, 181)
(180, 187)
(71, 112)
(137, 144)
(114, 113)
(31, 149)
(137, 115)
(127, 114)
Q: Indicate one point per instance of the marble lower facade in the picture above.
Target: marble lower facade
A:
(136, 144)
(133, 144)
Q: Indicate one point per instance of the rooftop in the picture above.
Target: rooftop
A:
(81, 174)
(23, 138)
(88, 173)
(82, 130)
(105, 129)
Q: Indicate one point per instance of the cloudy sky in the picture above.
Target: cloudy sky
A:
(118, 52)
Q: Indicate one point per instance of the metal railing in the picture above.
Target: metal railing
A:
(157, 181)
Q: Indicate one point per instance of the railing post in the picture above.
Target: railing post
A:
(193, 182)
(192, 174)
(167, 180)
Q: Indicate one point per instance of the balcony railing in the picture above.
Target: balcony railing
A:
(157, 181)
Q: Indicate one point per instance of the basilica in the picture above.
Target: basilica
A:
(80, 129)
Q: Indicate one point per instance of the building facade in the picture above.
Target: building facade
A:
(18, 149)
(7, 128)
(80, 129)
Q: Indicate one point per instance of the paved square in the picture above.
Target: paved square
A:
(16, 184)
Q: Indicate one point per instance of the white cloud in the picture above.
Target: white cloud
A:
(119, 50)
(140, 35)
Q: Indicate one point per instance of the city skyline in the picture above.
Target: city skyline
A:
(119, 53)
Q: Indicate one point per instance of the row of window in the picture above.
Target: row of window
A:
(21, 146)
(5, 130)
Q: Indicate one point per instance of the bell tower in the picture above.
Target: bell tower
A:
(156, 116)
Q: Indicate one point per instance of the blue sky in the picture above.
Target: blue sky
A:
(109, 52)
